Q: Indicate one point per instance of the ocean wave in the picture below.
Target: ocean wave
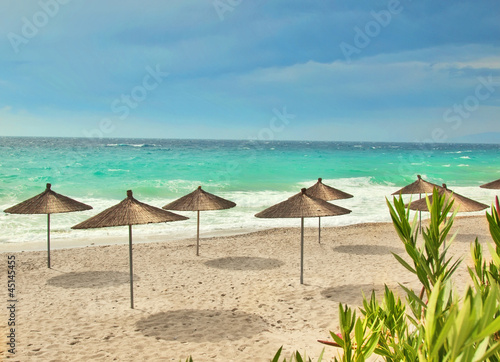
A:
(367, 205)
(340, 182)
(140, 145)
(457, 152)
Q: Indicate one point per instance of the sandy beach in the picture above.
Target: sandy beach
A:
(240, 300)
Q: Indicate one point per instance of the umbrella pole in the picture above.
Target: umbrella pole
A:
(131, 267)
(48, 240)
(198, 234)
(319, 229)
(420, 215)
(302, 251)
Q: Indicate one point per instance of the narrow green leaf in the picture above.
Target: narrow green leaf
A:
(359, 332)
(430, 316)
(493, 350)
(277, 355)
(494, 255)
(320, 358)
(481, 349)
(490, 329)
(404, 263)
(337, 339)
(370, 346)
(443, 335)
(298, 357)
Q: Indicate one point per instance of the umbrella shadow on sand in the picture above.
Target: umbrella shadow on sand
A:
(469, 238)
(352, 294)
(90, 279)
(191, 325)
(245, 263)
(129, 212)
(368, 249)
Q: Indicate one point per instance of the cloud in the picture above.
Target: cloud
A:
(371, 83)
(231, 71)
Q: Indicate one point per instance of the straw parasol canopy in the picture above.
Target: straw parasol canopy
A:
(418, 187)
(129, 212)
(48, 202)
(301, 206)
(460, 203)
(324, 192)
(494, 185)
(199, 200)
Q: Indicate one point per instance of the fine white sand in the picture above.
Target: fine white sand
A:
(240, 300)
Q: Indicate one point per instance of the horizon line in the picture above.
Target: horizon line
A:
(248, 140)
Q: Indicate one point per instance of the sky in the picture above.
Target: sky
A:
(343, 70)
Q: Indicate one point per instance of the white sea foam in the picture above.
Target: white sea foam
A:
(458, 152)
(130, 145)
(367, 205)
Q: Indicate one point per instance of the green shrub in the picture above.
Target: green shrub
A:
(435, 325)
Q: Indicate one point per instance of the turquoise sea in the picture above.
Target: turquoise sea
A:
(254, 174)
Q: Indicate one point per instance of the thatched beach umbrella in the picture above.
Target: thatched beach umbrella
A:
(199, 200)
(460, 203)
(494, 185)
(129, 212)
(418, 187)
(324, 192)
(301, 206)
(48, 202)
